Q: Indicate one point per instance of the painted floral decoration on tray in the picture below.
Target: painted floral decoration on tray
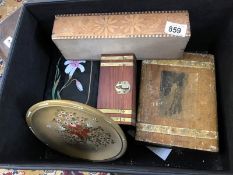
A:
(75, 129)
(71, 67)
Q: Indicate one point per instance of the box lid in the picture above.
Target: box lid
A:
(118, 25)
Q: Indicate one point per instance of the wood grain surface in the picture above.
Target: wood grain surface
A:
(108, 98)
(114, 25)
(177, 105)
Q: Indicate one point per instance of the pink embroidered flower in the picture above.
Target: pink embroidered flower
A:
(72, 65)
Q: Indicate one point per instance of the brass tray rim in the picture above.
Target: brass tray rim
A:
(77, 105)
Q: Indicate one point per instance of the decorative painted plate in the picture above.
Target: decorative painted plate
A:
(76, 130)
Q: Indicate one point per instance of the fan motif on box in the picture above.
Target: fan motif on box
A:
(109, 25)
(122, 25)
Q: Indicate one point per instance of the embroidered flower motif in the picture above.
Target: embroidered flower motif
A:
(72, 65)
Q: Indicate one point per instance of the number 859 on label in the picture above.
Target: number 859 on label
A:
(175, 29)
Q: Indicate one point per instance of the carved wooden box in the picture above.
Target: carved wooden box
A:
(117, 88)
(87, 36)
(178, 103)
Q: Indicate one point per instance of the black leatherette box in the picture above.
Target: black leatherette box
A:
(26, 79)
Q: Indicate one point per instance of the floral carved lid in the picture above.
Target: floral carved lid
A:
(76, 130)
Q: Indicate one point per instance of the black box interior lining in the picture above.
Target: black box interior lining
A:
(26, 79)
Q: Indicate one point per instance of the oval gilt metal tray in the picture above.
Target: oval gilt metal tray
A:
(76, 130)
